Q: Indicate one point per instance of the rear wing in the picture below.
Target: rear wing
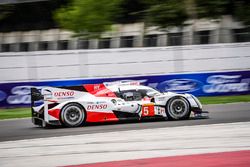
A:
(60, 93)
(36, 95)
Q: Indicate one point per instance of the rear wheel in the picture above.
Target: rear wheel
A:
(73, 115)
(178, 108)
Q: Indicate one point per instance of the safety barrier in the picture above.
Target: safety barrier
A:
(199, 84)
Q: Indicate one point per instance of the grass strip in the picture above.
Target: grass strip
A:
(15, 113)
(224, 99)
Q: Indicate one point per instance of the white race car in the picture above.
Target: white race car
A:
(112, 101)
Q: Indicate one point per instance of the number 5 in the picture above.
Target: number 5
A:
(146, 111)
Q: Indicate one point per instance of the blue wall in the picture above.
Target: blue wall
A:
(198, 84)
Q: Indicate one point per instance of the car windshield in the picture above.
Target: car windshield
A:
(152, 92)
(136, 93)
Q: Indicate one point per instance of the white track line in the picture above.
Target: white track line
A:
(101, 147)
(15, 119)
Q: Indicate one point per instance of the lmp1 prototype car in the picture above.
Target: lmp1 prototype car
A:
(112, 101)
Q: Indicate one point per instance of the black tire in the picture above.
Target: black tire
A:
(73, 115)
(178, 108)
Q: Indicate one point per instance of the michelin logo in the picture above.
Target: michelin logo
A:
(225, 83)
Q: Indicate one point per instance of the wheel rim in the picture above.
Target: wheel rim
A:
(178, 108)
(73, 115)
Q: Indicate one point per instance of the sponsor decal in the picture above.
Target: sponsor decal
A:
(225, 83)
(97, 107)
(180, 85)
(97, 87)
(159, 110)
(64, 94)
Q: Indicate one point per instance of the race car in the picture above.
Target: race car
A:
(75, 106)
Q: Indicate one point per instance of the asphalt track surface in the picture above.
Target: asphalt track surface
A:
(20, 129)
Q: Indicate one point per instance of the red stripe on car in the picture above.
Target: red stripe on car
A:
(99, 90)
(100, 116)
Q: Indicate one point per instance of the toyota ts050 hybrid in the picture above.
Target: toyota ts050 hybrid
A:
(112, 101)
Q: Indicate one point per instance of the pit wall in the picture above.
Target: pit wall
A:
(200, 84)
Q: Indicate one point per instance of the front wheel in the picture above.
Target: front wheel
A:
(178, 108)
(73, 115)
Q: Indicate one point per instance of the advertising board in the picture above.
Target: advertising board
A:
(199, 84)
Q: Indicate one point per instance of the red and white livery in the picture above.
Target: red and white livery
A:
(112, 101)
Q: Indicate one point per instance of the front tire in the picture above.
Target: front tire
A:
(178, 108)
(73, 115)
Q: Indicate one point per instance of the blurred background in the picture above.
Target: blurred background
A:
(33, 25)
(58, 42)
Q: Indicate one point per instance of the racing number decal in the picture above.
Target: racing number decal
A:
(148, 110)
(145, 111)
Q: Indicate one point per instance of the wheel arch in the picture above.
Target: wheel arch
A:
(178, 96)
(174, 97)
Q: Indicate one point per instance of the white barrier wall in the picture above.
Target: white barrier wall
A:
(71, 64)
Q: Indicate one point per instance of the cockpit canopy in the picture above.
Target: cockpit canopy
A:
(135, 92)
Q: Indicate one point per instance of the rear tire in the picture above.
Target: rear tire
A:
(178, 108)
(73, 115)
